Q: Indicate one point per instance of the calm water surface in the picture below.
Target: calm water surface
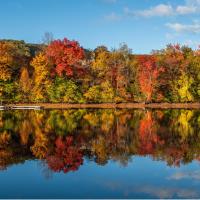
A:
(104, 153)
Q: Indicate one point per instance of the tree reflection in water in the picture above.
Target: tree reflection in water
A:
(63, 138)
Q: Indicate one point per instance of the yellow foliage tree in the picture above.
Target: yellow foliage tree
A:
(100, 64)
(183, 85)
(25, 84)
(13, 55)
(6, 60)
(41, 77)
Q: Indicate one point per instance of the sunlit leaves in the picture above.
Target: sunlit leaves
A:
(41, 77)
(64, 90)
(65, 55)
(13, 55)
(102, 93)
(148, 74)
(183, 86)
(61, 71)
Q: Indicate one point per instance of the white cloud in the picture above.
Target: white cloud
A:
(168, 192)
(183, 10)
(163, 10)
(112, 17)
(185, 28)
(193, 2)
(159, 10)
(186, 175)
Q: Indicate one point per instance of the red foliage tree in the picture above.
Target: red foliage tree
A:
(67, 156)
(148, 74)
(65, 55)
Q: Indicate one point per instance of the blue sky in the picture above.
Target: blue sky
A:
(142, 24)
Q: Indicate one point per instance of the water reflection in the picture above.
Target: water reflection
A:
(62, 139)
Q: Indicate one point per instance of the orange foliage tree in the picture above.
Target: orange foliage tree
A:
(148, 74)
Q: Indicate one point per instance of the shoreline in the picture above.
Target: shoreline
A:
(112, 105)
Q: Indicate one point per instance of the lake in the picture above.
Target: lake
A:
(100, 153)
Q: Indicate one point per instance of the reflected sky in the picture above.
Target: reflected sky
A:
(142, 178)
(100, 154)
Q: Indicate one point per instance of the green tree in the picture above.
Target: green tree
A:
(64, 90)
(102, 93)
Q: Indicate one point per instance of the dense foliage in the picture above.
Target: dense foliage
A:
(62, 71)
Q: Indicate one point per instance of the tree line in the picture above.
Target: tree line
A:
(61, 71)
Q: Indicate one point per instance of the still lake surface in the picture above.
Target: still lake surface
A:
(100, 153)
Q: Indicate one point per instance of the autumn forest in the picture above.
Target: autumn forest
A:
(61, 71)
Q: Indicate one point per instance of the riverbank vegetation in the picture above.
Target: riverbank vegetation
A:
(61, 71)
